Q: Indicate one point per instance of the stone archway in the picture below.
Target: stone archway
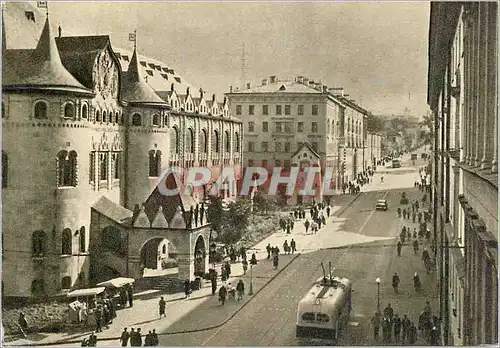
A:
(159, 257)
(200, 257)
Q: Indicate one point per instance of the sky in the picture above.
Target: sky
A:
(377, 51)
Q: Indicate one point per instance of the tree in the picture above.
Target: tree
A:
(263, 203)
(235, 222)
(427, 122)
(215, 213)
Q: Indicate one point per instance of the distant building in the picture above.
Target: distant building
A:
(299, 122)
(87, 134)
(463, 96)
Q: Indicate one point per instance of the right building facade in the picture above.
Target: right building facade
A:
(463, 97)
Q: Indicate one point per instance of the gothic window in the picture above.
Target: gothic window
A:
(156, 120)
(154, 163)
(103, 166)
(104, 116)
(236, 142)
(165, 121)
(38, 287)
(215, 141)
(92, 166)
(66, 242)
(39, 243)
(115, 158)
(190, 141)
(40, 110)
(174, 140)
(98, 116)
(117, 117)
(82, 240)
(228, 141)
(66, 168)
(69, 111)
(203, 141)
(85, 111)
(5, 169)
(66, 283)
(136, 120)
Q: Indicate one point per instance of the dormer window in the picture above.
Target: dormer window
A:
(40, 112)
(143, 64)
(150, 72)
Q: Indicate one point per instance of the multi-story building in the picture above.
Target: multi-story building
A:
(463, 96)
(281, 118)
(373, 149)
(87, 133)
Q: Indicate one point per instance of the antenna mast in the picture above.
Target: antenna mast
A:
(243, 77)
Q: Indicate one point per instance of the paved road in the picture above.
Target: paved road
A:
(269, 318)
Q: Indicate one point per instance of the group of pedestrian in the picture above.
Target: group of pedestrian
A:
(105, 312)
(287, 223)
(289, 248)
(228, 291)
(135, 338)
(401, 330)
(126, 295)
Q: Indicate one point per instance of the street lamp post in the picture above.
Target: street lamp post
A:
(378, 294)
(250, 291)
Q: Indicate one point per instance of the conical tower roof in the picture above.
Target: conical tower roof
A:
(135, 89)
(44, 69)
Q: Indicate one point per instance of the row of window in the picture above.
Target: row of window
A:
(265, 163)
(175, 141)
(278, 146)
(38, 285)
(278, 110)
(283, 127)
(40, 242)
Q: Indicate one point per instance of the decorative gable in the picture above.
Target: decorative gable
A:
(159, 221)
(142, 219)
(178, 220)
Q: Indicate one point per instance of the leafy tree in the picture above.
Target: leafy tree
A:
(375, 124)
(215, 213)
(427, 122)
(235, 222)
(263, 203)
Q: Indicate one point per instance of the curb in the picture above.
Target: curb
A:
(348, 205)
(62, 342)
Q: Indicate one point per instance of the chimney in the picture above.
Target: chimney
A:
(230, 89)
(248, 85)
(325, 89)
(264, 82)
(201, 93)
(59, 29)
(272, 79)
(305, 81)
(300, 79)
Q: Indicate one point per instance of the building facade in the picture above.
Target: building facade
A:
(463, 96)
(87, 134)
(281, 118)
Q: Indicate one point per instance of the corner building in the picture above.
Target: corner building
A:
(302, 123)
(86, 137)
(463, 96)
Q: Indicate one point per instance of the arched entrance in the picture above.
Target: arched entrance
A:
(159, 257)
(200, 255)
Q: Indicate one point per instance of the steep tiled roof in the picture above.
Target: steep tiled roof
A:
(279, 87)
(135, 89)
(41, 69)
(113, 211)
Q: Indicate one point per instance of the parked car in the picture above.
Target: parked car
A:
(381, 205)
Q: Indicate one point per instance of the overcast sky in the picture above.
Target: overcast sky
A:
(376, 51)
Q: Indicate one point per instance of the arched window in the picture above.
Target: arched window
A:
(228, 141)
(5, 169)
(105, 116)
(83, 243)
(66, 168)
(40, 110)
(39, 247)
(66, 283)
(115, 159)
(103, 166)
(174, 140)
(85, 111)
(117, 117)
(38, 287)
(136, 120)
(215, 141)
(236, 142)
(164, 249)
(333, 127)
(69, 111)
(154, 163)
(165, 121)
(66, 242)
(156, 120)
(190, 141)
(98, 116)
(203, 141)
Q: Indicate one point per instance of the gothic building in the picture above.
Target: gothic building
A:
(87, 133)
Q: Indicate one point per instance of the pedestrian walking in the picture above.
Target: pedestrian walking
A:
(133, 337)
(376, 321)
(138, 337)
(406, 325)
(434, 337)
(245, 266)
(268, 249)
(130, 295)
(388, 311)
(395, 282)
(416, 282)
(155, 338)
(92, 340)
(240, 289)
(161, 306)
(98, 319)
(328, 210)
(213, 281)
(222, 294)
(306, 225)
(148, 340)
(187, 288)
(124, 337)
(399, 246)
(397, 328)
(293, 245)
(415, 246)
(399, 212)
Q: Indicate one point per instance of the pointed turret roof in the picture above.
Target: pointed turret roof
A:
(42, 69)
(136, 90)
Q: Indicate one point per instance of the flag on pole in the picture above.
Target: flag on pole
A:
(41, 4)
(131, 36)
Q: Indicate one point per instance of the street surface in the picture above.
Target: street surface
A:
(269, 318)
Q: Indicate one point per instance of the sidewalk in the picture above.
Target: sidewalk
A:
(144, 312)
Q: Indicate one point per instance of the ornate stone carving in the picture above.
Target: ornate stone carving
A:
(105, 75)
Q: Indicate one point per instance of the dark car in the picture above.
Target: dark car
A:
(381, 205)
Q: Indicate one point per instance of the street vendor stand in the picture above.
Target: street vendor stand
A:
(115, 288)
(82, 309)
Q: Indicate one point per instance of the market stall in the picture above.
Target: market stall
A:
(117, 290)
(82, 310)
